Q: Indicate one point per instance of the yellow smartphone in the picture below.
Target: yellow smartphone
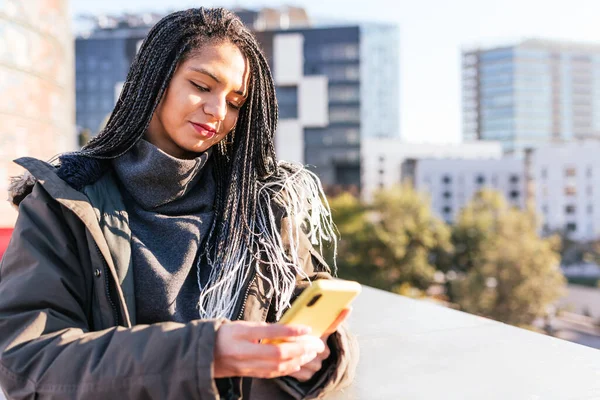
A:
(320, 304)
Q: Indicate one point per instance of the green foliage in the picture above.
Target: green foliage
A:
(389, 242)
(502, 269)
(509, 273)
(359, 256)
(409, 233)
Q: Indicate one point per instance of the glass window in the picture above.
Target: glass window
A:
(571, 227)
(495, 55)
(532, 54)
(344, 114)
(92, 63)
(339, 51)
(107, 104)
(480, 180)
(570, 190)
(337, 73)
(92, 83)
(337, 136)
(570, 209)
(107, 84)
(514, 194)
(446, 179)
(570, 172)
(344, 93)
(514, 179)
(353, 136)
(92, 103)
(287, 99)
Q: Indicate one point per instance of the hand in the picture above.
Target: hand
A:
(309, 369)
(238, 351)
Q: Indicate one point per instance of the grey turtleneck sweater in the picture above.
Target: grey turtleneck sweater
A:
(170, 207)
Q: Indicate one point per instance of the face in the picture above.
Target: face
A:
(202, 103)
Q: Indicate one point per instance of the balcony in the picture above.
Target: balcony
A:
(413, 349)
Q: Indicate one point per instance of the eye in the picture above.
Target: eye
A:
(234, 106)
(200, 87)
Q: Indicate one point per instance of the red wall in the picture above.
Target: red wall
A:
(4, 239)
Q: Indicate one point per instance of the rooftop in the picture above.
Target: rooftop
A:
(418, 350)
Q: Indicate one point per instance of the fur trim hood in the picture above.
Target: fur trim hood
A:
(19, 187)
(78, 171)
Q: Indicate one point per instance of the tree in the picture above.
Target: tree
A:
(389, 243)
(358, 250)
(410, 234)
(506, 271)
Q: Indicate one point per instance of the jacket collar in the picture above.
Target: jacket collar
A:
(79, 204)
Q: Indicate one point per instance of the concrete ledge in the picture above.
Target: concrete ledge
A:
(417, 350)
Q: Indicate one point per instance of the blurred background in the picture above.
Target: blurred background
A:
(458, 141)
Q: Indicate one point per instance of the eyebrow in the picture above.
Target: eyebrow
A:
(205, 72)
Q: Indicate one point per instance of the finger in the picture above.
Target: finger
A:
(304, 374)
(268, 368)
(340, 318)
(284, 350)
(324, 355)
(313, 365)
(273, 331)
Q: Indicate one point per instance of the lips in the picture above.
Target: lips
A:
(204, 130)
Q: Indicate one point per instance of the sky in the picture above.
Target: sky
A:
(432, 34)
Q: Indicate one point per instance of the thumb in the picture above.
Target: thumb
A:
(274, 331)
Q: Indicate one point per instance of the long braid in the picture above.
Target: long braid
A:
(249, 180)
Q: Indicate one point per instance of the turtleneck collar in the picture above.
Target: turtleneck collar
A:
(154, 178)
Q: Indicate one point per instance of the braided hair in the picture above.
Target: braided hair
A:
(245, 231)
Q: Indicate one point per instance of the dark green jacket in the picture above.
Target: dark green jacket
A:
(67, 310)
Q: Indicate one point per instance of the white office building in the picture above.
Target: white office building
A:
(384, 160)
(567, 187)
(451, 184)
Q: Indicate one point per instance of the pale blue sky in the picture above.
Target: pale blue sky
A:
(432, 32)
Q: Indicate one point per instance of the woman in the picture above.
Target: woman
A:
(146, 264)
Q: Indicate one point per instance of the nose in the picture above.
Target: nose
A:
(217, 107)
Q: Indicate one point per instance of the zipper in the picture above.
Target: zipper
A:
(246, 295)
(106, 272)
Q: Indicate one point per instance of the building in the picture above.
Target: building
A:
(106, 46)
(36, 82)
(102, 60)
(285, 17)
(451, 184)
(566, 188)
(336, 87)
(531, 93)
(328, 81)
(384, 161)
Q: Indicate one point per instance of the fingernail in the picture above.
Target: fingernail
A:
(304, 330)
(308, 357)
